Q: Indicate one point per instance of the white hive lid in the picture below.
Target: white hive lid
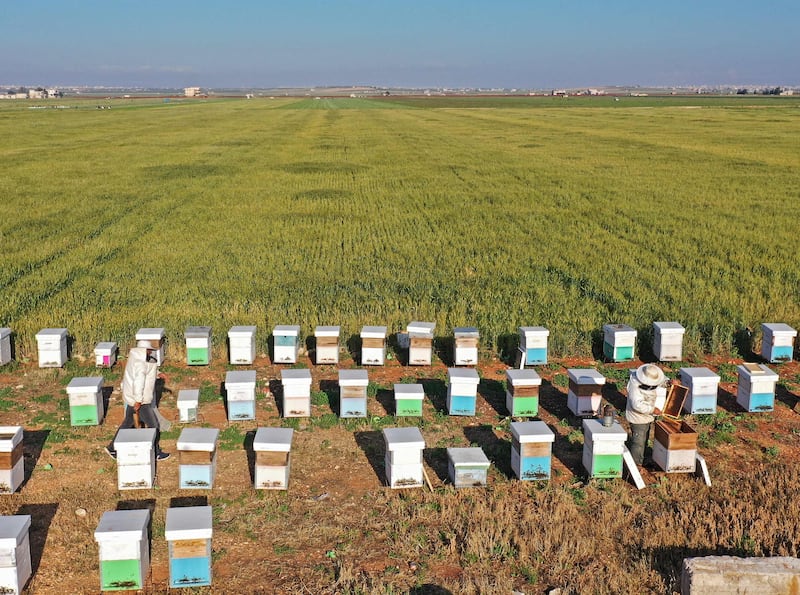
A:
(202, 439)
(532, 431)
(409, 391)
(13, 530)
(353, 378)
(667, 328)
(190, 522)
(296, 376)
(764, 372)
(586, 376)
(241, 331)
(615, 329)
(122, 525)
(463, 375)
(287, 330)
(134, 437)
(326, 331)
(240, 377)
(10, 436)
(599, 433)
(466, 331)
(699, 373)
(523, 377)
(4, 332)
(273, 439)
(188, 395)
(421, 327)
(779, 327)
(532, 331)
(105, 345)
(197, 332)
(83, 383)
(472, 456)
(409, 437)
(156, 333)
(52, 332)
(373, 332)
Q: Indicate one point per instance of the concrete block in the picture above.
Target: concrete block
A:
(729, 575)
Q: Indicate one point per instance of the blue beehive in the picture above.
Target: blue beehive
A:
(188, 532)
(286, 339)
(533, 345)
(756, 389)
(462, 391)
(197, 449)
(531, 449)
(777, 342)
(240, 387)
(619, 342)
(703, 385)
(353, 393)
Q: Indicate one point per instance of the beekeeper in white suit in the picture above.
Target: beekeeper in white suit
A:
(138, 392)
(641, 408)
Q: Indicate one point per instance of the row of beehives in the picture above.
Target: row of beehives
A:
(619, 344)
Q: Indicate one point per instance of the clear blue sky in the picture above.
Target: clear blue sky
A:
(456, 43)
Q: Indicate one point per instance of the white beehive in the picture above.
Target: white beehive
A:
(52, 347)
(533, 345)
(373, 345)
(188, 532)
(15, 553)
(403, 459)
(105, 354)
(85, 400)
(5, 346)
(467, 467)
(531, 449)
(188, 402)
(240, 389)
(462, 391)
(286, 339)
(272, 447)
(136, 459)
(12, 464)
(777, 342)
(353, 393)
(703, 385)
(602, 448)
(756, 389)
(668, 341)
(585, 391)
(242, 345)
(296, 392)
(327, 344)
(197, 456)
(408, 399)
(198, 345)
(155, 336)
(465, 346)
(420, 343)
(122, 538)
(619, 342)
(522, 392)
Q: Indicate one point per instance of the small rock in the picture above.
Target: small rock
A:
(47, 467)
(19, 386)
(321, 497)
(412, 566)
(80, 512)
(555, 591)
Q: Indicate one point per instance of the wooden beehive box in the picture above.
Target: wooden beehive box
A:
(197, 456)
(52, 347)
(286, 339)
(12, 464)
(408, 399)
(420, 343)
(522, 392)
(242, 345)
(585, 391)
(777, 342)
(327, 347)
(531, 449)
(5, 346)
(198, 345)
(136, 463)
(619, 341)
(672, 432)
(467, 467)
(403, 461)
(240, 389)
(462, 391)
(353, 393)
(188, 532)
(122, 538)
(373, 345)
(85, 400)
(533, 345)
(156, 337)
(15, 553)
(756, 389)
(296, 392)
(703, 387)
(105, 354)
(272, 447)
(465, 346)
(188, 402)
(668, 341)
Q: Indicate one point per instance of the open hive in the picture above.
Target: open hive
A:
(674, 440)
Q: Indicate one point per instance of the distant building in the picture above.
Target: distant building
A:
(191, 91)
(35, 94)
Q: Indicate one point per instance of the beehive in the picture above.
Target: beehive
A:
(777, 342)
(408, 399)
(674, 441)
(52, 347)
(272, 447)
(619, 341)
(85, 400)
(197, 456)
(198, 345)
(124, 546)
(242, 345)
(156, 337)
(585, 391)
(240, 388)
(533, 344)
(703, 385)
(296, 392)
(602, 448)
(5, 346)
(462, 391)
(756, 390)
(327, 344)
(12, 464)
(467, 467)
(420, 343)
(373, 345)
(353, 393)
(286, 340)
(403, 461)
(668, 341)
(15, 553)
(188, 533)
(522, 392)
(188, 401)
(531, 449)
(105, 354)
(136, 459)
(465, 346)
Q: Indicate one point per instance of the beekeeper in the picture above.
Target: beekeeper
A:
(641, 408)
(138, 392)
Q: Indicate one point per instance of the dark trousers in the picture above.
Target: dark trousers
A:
(147, 416)
(638, 441)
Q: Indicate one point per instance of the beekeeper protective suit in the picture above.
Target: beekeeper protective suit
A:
(641, 408)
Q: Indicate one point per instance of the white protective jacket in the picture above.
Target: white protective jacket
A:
(139, 379)
(641, 403)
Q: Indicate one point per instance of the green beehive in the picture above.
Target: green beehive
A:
(198, 345)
